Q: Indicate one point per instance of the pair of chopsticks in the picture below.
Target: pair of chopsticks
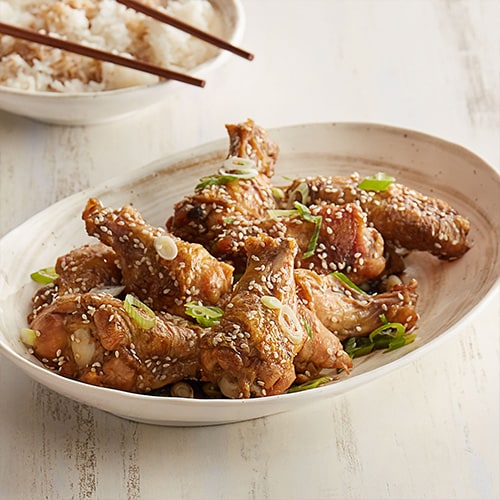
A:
(58, 43)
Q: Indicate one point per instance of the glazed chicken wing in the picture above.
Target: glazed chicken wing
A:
(349, 313)
(322, 349)
(162, 270)
(405, 217)
(251, 351)
(81, 270)
(344, 241)
(203, 216)
(90, 337)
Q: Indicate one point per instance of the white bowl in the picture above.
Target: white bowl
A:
(86, 108)
(451, 293)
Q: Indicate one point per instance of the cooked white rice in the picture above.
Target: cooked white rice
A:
(107, 25)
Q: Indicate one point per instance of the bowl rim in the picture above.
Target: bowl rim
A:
(200, 69)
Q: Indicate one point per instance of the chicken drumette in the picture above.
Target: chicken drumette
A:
(405, 217)
(251, 351)
(92, 338)
(88, 267)
(205, 215)
(350, 313)
(162, 270)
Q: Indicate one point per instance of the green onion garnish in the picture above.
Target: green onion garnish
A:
(314, 238)
(398, 342)
(308, 329)
(28, 336)
(143, 316)
(271, 302)
(205, 316)
(212, 180)
(303, 190)
(389, 330)
(305, 214)
(44, 276)
(234, 169)
(310, 384)
(389, 336)
(282, 213)
(378, 182)
(278, 193)
(342, 277)
(358, 346)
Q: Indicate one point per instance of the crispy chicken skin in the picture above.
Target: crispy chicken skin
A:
(90, 337)
(348, 313)
(251, 352)
(403, 216)
(203, 216)
(165, 285)
(88, 267)
(322, 349)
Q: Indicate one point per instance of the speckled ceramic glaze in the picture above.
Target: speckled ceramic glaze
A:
(98, 107)
(451, 293)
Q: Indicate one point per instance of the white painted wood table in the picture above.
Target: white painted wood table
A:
(429, 430)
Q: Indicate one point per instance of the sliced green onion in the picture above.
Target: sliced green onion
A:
(240, 174)
(308, 329)
(165, 247)
(378, 182)
(205, 316)
(290, 324)
(303, 211)
(392, 330)
(143, 316)
(314, 238)
(310, 384)
(358, 346)
(228, 220)
(401, 341)
(211, 180)
(242, 166)
(389, 336)
(28, 336)
(271, 302)
(278, 193)
(234, 169)
(303, 190)
(45, 275)
(305, 214)
(342, 277)
(182, 390)
(282, 213)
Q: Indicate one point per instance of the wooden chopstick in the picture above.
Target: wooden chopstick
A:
(58, 43)
(172, 21)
